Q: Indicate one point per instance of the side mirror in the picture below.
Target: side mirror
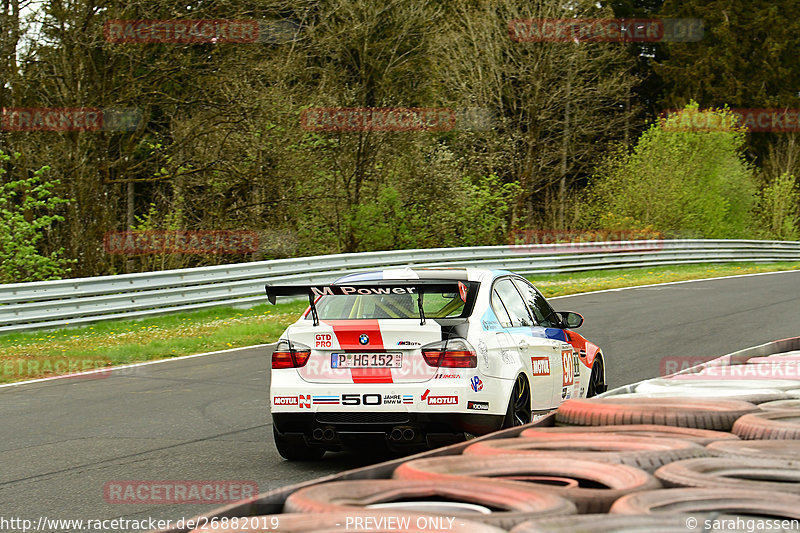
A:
(570, 319)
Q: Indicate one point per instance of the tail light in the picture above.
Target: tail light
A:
(290, 354)
(451, 353)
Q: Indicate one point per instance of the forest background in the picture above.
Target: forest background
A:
(559, 138)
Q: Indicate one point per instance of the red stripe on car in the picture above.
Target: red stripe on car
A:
(348, 333)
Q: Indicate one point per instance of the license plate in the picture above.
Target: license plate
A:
(366, 360)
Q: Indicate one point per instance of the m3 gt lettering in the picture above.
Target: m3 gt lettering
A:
(540, 366)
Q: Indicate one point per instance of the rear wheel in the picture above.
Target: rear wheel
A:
(519, 406)
(295, 450)
(597, 380)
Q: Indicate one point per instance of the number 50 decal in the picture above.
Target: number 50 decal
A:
(361, 399)
(567, 367)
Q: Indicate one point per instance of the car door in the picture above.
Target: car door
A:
(518, 322)
(547, 324)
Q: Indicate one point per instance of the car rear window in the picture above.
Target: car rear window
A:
(390, 306)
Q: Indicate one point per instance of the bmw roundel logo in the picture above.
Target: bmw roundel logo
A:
(363, 339)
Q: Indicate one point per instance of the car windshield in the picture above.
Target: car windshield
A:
(361, 306)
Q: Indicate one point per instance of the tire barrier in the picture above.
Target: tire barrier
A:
(479, 500)
(374, 522)
(767, 475)
(649, 460)
(755, 396)
(784, 357)
(699, 436)
(647, 453)
(781, 405)
(757, 449)
(769, 425)
(775, 505)
(591, 485)
(619, 523)
(682, 412)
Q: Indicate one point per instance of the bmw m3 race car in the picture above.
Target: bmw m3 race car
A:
(414, 358)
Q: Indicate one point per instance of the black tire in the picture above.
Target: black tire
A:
(295, 450)
(756, 449)
(597, 379)
(727, 501)
(591, 485)
(341, 522)
(683, 412)
(699, 436)
(519, 405)
(618, 523)
(647, 453)
(769, 425)
(780, 405)
(509, 504)
(767, 475)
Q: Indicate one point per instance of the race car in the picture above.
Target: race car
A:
(418, 358)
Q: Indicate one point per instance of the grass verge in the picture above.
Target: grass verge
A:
(33, 355)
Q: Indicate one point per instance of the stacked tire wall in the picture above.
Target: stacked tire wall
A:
(651, 456)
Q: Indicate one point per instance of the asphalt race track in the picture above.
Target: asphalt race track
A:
(207, 418)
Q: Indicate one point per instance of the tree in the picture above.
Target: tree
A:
(778, 209)
(558, 104)
(27, 212)
(682, 182)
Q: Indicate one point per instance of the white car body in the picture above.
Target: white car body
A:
(321, 406)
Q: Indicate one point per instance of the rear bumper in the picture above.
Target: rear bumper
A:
(352, 430)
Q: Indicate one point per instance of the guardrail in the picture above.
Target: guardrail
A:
(48, 304)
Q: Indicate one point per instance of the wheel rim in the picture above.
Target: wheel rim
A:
(522, 402)
(596, 379)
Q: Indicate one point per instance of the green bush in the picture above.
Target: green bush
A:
(26, 207)
(681, 180)
(777, 209)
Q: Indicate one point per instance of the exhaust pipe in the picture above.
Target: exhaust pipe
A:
(409, 434)
(396, 434)
(318, 434)
(329, 434)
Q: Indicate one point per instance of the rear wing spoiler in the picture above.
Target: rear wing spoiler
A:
(465, 289)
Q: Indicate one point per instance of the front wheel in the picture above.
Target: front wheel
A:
(294, 450)
(519, 405)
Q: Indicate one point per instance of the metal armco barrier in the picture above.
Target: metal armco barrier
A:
(48, 304)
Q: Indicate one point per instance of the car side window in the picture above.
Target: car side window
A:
(542, 312)
(507, 301)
